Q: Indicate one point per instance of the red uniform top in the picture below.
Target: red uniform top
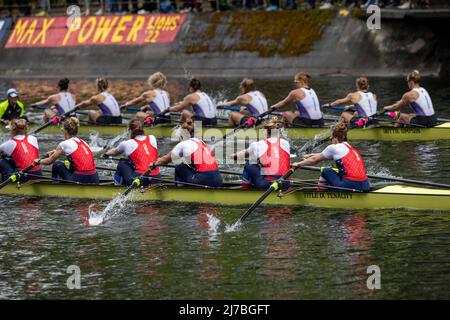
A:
(144, 154)
(275, 161)
(351, 167)
(202, 158)
(24, 153)
(82, 159)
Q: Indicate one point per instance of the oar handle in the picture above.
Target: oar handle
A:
(49, 123)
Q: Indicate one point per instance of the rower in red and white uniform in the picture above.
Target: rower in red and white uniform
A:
(199, 163)
(157, 99)
(109, 110)
(363, 101)
(80, 165)
(268, 159)
(19, 152)
(420, 102)
(350, 172)
(306, 101)
(203, 106)
(141, 151)
(252, 102)
(59, 103)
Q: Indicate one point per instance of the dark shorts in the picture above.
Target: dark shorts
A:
(206, 121)
(425, 121)
(109, 120)
(371, 122)
(306, 122)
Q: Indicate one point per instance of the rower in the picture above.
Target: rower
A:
(12, 107)
(80, 165)
(59, 103)
(350, 172)
(420, 102)
(268, 159)
(204, 108)
(157, 98)
(306, 101)
(141, 150)
(252, 103)
(199, 164)
(109, 112)
(19, 152)
(363, 101)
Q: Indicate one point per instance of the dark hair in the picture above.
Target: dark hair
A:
(362, 83)
(136, 127)
(247, 85)
(102, 84)
(71, 125)
(195, 84)
(63, 84)
(340, 131)
(19, 126)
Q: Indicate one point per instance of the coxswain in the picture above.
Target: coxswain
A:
(350, 172)
(109, 112)
(157, 100)
(19, 152)
(362, 101)
(252, 103)
(59, 103)
(268, 160)
(203, 106)
(80, 165)
(12, 107)
(141, 151)
(199, 163)
(306, 101)
(420, 102)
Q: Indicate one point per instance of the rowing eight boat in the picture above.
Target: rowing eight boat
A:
(395, 196)
(382, 133)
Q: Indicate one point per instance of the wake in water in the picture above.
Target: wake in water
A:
(99, 145)
(115, 207)
(234, 227)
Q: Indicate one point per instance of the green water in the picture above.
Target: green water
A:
(169, 251)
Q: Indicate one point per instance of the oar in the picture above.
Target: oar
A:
(443, 120)
(423, 183)
(52, 121)
(137, 181)
(274, 186)
(16, 176)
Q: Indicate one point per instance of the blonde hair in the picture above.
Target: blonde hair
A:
(272, 123)
(19, 126)
(157, 80)
(102, 84)
(303, 76)
(340, 131)
(247, 85)
(362, 83)
(414, 76)
(71, 126)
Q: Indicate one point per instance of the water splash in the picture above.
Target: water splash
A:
(99, 145)
(234, 227)
(213, 223)
(114, 208)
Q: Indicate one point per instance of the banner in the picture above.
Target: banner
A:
(95, 30)
(4, 25)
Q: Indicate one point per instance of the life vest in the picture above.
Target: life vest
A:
(275, 161)
(82, 159)
(24, 154)
(144, 155)
(351, 167)
(203, 158)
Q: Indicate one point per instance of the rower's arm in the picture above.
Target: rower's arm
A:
(86, 103)
(239, 101)
(347, 99)
(311, 159)
(135, 101)
(240, 154)
(112, 152)
(187, 101)
(54, 155)
(49, 101)
(290, 98)
(404, 101)
(164, 160)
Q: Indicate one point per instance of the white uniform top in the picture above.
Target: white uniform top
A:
(184, 150)
(66, 102)
(423, 105)
(258, 104)
(130, 145)
(160, 102)
(335, 151)
(258, 148)
(69, 146)
(109, 106)
(367, 106)
(309, 106)
(9, 146)
(204, 108)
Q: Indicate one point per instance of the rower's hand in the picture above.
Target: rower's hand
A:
(106, 156)
(387, 108)
(123, 106)
(326, 105)
(295, 165)
(36, 162)
(306, 156)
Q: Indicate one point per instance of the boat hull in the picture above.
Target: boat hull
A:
(386, 198)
